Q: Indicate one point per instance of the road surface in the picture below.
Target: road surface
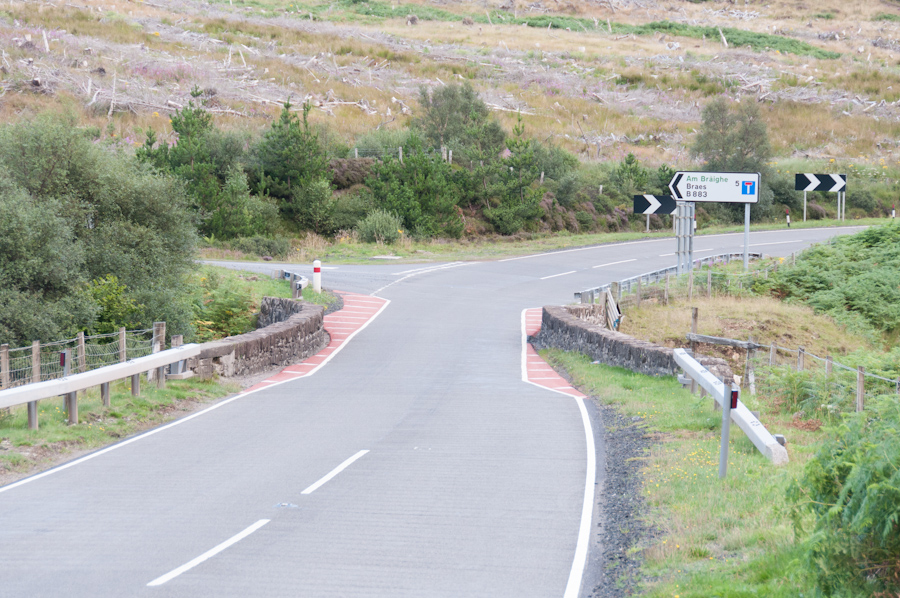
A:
(416, 462)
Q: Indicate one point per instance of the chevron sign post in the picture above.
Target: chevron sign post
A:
(833, 183)
(654, 204)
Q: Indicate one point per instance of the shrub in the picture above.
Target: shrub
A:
(347, 172)
(117, 309)
(584, 220)
(277, 247)
(103, 214)
(224, 308)
(380, 227)
(350, 207)
(852, 489)
(314, 205)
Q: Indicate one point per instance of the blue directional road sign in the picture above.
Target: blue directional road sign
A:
(725, 187)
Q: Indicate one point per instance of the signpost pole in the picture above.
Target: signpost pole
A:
(690, 225)
(747, 235)
(804, 205)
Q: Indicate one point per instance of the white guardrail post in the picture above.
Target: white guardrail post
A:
(746, 421)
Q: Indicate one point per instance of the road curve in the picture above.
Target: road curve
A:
(416, 462)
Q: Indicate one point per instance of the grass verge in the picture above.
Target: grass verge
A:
(24, 452)
(488, 248)
(728, 537)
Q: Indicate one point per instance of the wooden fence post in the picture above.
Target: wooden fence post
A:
(639, 292)
(160, 334)
(691, 285)
(4, 366)
(666, 293)
(709, 283)
(123, 351)
(35, 377)
(4, 371)
(772, 351)
(695, 316)
(860, 388)
(82, 357)
(801, 361)
(82, 363)
(751, 375)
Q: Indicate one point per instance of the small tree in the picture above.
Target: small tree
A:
(516, 193)
(454, 116)
(290, 156)
(315, 205)
(735, 140)
(420, 191)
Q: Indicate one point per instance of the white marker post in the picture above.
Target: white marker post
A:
(317, 276)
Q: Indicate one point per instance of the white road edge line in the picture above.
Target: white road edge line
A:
(436, 269)
(334, 472)
(778, 243)
(178, 422)
(208, 554)
(576, 574)
(563, 274)
(614, 263)
(426, 268)
(601, 246)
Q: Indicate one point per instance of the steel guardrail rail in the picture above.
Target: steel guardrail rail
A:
(37, 391)
(626, 284)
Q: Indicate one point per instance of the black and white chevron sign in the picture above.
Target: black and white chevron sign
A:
(820, 182)
(654, 204)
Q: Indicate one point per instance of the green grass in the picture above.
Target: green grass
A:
(883, 16)
(716, 537)
(374, 11)
(55, 440)
(324, 298)
(488, 248)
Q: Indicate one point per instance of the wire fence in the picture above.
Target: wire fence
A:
(708, 279)
(41, 361)
(816, 386)
(375, 152)
(801, 381)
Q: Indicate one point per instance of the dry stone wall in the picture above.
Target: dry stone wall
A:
(573, 328)
(300, 335)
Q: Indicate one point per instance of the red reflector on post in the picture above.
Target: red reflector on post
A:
(62, 359)
(734, 398)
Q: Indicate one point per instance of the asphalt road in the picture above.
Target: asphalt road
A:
(449, 476)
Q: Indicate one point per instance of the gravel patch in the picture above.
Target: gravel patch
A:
(617, 572)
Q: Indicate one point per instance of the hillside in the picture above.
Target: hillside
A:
(601, 78)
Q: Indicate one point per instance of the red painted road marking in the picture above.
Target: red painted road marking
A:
(340, 326)
(537, 371)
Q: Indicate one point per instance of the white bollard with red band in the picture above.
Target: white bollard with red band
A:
(317, 276)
